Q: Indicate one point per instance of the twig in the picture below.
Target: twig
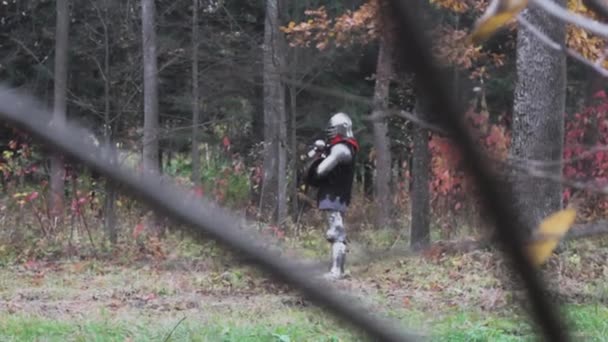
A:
(598, 6)
(86, 227)
(405, 115)
(559, 47)
(546, 163)
(572, 18)
(386, 112)
(172, 330)
(578, 231)
(557, 178)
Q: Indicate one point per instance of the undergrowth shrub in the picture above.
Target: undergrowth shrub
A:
(223, 177)
(453, 195)
(28, 231)
(585, 163)
(586, 156)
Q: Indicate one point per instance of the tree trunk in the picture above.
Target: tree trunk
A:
(282, 208)
(275, 135)
(59, 105)
(110, 199)
(380, 133)
(150, 140)
(293, 141)
(368, 179)
(420, 173)
(196, 158)
(151, 151)
(538, 115)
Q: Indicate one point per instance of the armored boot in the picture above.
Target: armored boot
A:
(336, 235)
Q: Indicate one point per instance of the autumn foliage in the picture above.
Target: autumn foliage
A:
(589, 45)
(363, 26)
(347, 29)
(586, 155)
(450, 184)
(585, 159)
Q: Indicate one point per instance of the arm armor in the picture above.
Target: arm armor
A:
(319, 168)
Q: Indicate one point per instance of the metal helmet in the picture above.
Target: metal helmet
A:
(341, 124)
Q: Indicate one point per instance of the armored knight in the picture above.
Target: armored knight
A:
(331, 171)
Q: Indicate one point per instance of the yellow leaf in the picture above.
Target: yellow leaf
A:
(499, 12)
(291, 24)
(550, 232)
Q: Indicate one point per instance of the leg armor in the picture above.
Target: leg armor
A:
(336, 235)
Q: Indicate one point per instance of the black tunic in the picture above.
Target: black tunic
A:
(334, 189)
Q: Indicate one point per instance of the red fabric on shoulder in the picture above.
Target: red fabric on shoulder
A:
(338, 139)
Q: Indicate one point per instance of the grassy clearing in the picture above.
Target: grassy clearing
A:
(302, 328)
(466, 297)
(590, 323)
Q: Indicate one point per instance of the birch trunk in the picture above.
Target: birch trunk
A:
(538, 115)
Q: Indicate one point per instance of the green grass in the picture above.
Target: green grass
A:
(590, 323)
(454, 298)
(587, 323)
(303, 328)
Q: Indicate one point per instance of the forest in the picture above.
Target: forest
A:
(222, 101)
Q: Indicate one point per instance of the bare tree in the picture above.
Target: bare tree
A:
(538, 113)
(196, 158)
(274, 193)
(151, 152)
(150, 140)
(293, 141)
(420, 193)
(60, 103)
(380, 132)
(110, 199)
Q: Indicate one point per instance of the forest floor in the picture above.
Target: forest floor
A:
(189, 297)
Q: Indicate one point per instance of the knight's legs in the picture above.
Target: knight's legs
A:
(336, 235)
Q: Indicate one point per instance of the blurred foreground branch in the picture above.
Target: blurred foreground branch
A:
(200, 217)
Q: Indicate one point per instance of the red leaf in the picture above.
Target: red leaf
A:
(32, 196)
(600, 95)
(149, 296)
(74, 205)
(31, 264)
(137, 230)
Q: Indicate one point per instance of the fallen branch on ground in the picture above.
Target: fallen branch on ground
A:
(465, 246)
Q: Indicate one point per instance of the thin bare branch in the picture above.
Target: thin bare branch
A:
(546, 163)
(598, 6)
(387, 112)
(558, 47)
(572, 18)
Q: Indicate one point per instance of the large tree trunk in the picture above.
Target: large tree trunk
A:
(196, 158)
(59, 105)
(538, 115)
(151, 152)
(110, 199)
(150, 140)
(380, 133)
(420, 173)
(274, 187)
